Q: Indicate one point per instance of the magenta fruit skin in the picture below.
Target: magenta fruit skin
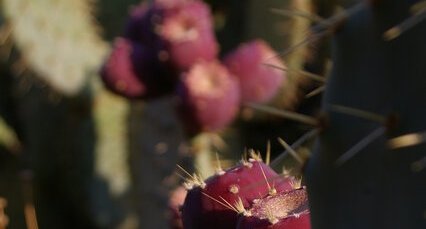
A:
(136, 71)
(200, 211)
(290, 207)
(172, 4)
(209, 96)
(118, 73)
(259, 82)
(182, 25)
(189, 33)
(302, 222)
(176, 199)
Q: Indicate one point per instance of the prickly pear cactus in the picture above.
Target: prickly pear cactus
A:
(287, 210)
(58, 40)
(363, 173)
(220, 200)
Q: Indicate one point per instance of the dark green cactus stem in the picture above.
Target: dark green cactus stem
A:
(376, 186)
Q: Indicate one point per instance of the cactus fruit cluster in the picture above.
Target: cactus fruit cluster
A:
(248, 195)
(169, 47)
(364, 172)
(58, 40)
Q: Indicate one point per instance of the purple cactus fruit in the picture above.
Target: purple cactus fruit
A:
(134, 26)
(118, 74)
(188, 30)
(137, 71)
(259, 82)
(143, 24)
(152, 65)
(285, 210)
(216, 203)
(210, 97)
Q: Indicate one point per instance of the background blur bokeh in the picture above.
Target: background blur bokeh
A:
(74, 155)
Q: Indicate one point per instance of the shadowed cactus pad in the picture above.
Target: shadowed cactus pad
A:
(378, 68)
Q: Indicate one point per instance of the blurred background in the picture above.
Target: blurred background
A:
(74, 155)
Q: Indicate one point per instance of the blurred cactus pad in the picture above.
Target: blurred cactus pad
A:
(58, 40)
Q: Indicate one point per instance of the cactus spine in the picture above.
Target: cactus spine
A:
(375, 97)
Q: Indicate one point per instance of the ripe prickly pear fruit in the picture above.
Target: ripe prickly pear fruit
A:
(259, 82)
(133, 30)
(188, 31)
(152, 65)
(118, 73)
(210, 97)
(286, 210)
(218, 201)
(181, 25)
(172, 4)
(176, 200)
(137, 71)
(143, 24)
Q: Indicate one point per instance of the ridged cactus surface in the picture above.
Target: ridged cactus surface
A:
(361, 174)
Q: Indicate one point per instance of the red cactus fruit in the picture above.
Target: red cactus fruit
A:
(172, 4)
(188, 31)
(217, 202)
(285, 210)
(137, 71)
(118, 73)
(259, 82)
(176, 201)
(183, 25)
(210, 97)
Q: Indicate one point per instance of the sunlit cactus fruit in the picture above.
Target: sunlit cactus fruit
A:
(188, 31)
(259, 70)
(218, 201)
(285, 210)
(210, 97)
(58, 40)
